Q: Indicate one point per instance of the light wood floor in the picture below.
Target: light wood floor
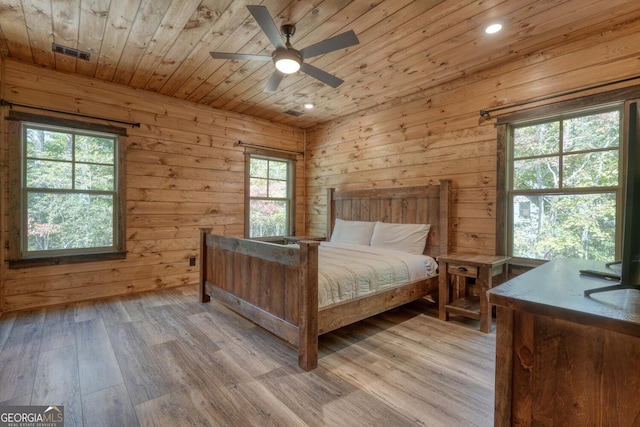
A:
(165, 359)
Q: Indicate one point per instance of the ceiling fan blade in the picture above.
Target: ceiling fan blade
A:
(274, 81)
(240, 56)
(340, 41)
(323, 76)
(262, 17)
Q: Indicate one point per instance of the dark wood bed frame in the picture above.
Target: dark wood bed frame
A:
(276, 286)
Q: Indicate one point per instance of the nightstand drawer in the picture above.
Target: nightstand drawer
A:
(463, 270)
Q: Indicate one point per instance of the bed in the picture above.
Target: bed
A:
(276, 286)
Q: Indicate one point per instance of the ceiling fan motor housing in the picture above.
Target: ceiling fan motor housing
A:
(288, 53)
(288, 30)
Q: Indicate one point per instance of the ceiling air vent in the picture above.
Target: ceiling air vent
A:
(69, 51)
(293, 113)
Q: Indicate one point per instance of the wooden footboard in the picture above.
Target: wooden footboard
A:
(273, 285)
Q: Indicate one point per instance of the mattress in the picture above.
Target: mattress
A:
(348, 271)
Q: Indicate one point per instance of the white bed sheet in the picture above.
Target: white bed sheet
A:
(347, 271)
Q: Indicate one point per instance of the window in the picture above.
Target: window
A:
(564, 186)
(270, 192)
(68, 190)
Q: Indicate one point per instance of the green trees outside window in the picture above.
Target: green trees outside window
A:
(69, 190)
(565, 179)
(270, 199)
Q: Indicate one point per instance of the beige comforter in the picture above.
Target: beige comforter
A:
(347, 271)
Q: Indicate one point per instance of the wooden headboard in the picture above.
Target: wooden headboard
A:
(403, 205)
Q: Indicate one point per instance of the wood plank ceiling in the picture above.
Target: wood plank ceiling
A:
(163, 45)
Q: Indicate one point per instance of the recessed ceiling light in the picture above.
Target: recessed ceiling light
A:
(493, 28)
(309, 105)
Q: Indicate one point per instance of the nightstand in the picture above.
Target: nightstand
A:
(460, 297)
(295, 239)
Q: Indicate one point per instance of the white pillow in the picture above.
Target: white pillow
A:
(410, 238)
(355, 232)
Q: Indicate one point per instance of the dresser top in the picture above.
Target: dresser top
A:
(556, 289)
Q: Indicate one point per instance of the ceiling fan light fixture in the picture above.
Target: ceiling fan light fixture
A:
(287, 65)
(287, 61)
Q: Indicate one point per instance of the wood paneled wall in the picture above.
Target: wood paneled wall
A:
(184, 171)
(438, 133)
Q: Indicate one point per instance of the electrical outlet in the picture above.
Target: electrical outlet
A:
(192, 261)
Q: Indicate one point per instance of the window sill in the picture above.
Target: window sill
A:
(65, 259)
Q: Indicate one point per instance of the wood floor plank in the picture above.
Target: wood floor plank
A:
(156, 299)
(224, 378)
(175, 319)
(324, 398)
(444, 355)
(164, 358)
(97, 364)
(57, 383)
(18, 401)
(177, 365)
(245, 342)
(250, 348)
(60, 329)
(246, 401)
(86, 310)
(143, 377)
(6, 324)
(109, 407)
(19, 358)
(230, 386)
(236, 401)
(135, 306)
(266, 408)
(181, 408)
(372, 380)
(224, 375)
(364, 411)
(433, 375)
(112, 311)
(153, 332)
(220, 324)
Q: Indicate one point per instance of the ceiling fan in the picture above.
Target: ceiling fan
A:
(287, 59)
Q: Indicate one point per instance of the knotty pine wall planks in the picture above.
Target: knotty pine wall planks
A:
(438, 133)
(184, 171)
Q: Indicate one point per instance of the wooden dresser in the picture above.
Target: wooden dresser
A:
(563, 359)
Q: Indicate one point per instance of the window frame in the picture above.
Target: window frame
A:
(290, 159)
(562, 190)
(622, 95)
(17, 257)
